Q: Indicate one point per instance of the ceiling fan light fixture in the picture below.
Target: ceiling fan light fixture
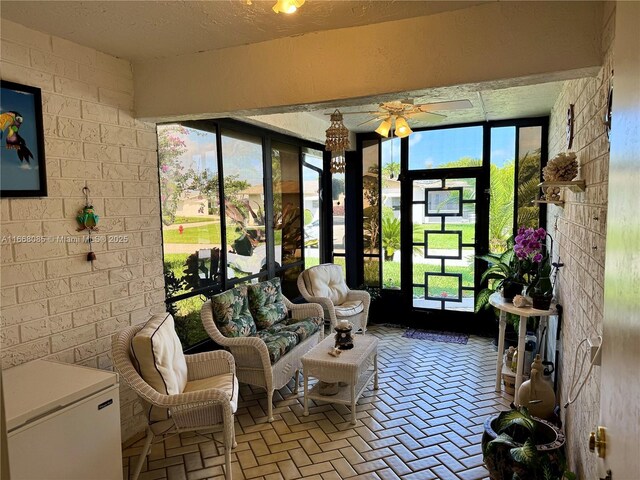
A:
(287, 6)
(402, 128)
(384, 128)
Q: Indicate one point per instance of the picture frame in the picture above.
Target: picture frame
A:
(22, 157)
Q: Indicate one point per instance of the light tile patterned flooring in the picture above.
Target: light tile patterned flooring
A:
(425, 422)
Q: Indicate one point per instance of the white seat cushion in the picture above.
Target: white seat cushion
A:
(348, 309)
(326, 281)
(158, 353)
(226, 382)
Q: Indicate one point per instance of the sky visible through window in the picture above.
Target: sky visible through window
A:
(426, 151)
(436, 148)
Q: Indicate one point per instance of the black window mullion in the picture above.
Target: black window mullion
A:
(267, 164)
(223, 218)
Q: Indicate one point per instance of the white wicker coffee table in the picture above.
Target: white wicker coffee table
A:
(351, 367)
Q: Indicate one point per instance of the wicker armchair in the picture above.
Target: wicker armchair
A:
(325, 285)
(203, 410)
(253, 365)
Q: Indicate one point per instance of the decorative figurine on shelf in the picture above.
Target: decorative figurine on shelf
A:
(88, 220)
(344, 340)
(561, 168)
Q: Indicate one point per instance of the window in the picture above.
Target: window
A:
(312, 217)
(265, 226)
(245, 220)
(191, 230)
(502, 187)
(390, 161)
(446, 148)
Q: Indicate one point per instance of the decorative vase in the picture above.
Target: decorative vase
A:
(344, 340)
(541, 301)
(510, 290)
(502, 466)
(537, 394)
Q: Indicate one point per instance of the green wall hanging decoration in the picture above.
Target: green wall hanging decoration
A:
(88, 220)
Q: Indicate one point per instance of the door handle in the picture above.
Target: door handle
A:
(598, 442)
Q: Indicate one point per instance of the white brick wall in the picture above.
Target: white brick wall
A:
(54, 303)
(579, 231)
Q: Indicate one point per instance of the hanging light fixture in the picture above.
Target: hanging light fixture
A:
(384, 128)
(287, 6)
(402, 128)
(337, 142)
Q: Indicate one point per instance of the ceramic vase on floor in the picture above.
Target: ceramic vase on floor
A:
(537, 394)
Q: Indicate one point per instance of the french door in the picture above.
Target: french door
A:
(443, 235)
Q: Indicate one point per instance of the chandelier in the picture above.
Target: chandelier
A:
(337, 142)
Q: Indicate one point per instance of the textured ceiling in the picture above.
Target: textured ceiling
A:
(488, 104)
(138, 30)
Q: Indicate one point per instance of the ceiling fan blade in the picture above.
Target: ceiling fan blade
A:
(368, 121)
(429, 117)
(431, 114)
(359, 113)
(452, 105)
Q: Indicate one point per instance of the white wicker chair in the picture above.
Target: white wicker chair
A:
(253, 365)
(204, 411)
(325, 285)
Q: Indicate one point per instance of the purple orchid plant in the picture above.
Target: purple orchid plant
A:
(533, 260)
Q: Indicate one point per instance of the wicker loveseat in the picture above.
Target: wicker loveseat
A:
(266, 333)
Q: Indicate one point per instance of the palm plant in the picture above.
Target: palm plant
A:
(501, 269)
(501, 206)
(390, 236)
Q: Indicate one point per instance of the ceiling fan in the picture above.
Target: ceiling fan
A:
(402, 110)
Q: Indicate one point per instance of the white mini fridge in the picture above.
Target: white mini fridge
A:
(63, 422)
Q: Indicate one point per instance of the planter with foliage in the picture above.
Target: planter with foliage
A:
(518, 446)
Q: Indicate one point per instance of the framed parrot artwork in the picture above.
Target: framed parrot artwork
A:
(22, 164)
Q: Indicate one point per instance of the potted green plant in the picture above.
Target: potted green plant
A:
(516, 445)
(501, 275)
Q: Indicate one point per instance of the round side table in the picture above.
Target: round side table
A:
(505, 307)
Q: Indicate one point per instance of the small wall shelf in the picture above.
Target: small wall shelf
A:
(552, 202)
(573, 185)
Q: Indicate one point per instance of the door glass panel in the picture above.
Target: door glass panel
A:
(287, 221)
(529, 146)
(503, 154)
(190, 202)
(446, 148)
(244, 204)
(444, 225)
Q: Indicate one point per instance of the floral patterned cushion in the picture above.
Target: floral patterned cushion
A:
(266, 304)
(231, 313)
(303, 328)
(278, 343)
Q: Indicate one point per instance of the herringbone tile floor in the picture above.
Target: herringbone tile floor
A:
(425, 422)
